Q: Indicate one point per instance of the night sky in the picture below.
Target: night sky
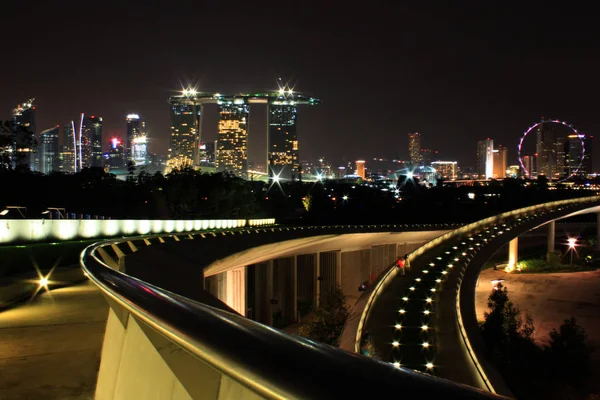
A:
(382, 69)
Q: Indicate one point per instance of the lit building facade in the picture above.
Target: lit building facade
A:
(91, 142)
(360, 168)
(573, 152)
(68, 159)
(184, 140)
(232, 144)
(24, 143)
(499, 159)
(445, 169)
(136, 143)
(230, 151)
(546, 150)
(116, 154)
(49, 150)
(283, 141)
(414, 148)
(485, 158)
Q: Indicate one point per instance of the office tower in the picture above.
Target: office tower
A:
(68, 163)
(49, 150)
(360, 168)
(139, 150)
(445, 169)
(136, 143)
(91, 142)
(528, 164)
(283, 141)
(414, 148)
(499, 162)
(116, 154)
(546, 150)
(573, 152)
(233, 136)
(485, 158)
(23, 130)
(185, 129)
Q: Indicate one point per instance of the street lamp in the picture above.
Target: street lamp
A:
(18, 208)
(60, 212)
(572, 242)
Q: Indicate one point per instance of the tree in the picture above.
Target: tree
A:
(329, 320)
(503, 327)
(568, 353)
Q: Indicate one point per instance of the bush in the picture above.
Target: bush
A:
(554, 259)
(329, 320)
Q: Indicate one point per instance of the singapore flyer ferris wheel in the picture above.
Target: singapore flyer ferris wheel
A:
(548, 159)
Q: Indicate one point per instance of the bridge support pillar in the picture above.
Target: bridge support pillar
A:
(295, 288)
(551, 235)
(269, 315)
(513, 253)
(317, 279)
(338, 268)
(598, 231)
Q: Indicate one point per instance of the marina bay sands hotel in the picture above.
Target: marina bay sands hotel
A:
(186, 143)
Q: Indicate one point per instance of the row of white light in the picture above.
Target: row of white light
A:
(429, 300)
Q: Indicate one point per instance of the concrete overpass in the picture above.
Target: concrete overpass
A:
(187, 342)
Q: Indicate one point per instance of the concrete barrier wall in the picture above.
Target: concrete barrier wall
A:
(35, 230)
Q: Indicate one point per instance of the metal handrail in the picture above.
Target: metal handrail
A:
(271, 363)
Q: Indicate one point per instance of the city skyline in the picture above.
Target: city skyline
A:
(440, 72)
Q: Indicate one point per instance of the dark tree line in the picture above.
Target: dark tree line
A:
(188, 193)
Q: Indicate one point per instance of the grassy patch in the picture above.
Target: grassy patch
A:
(537, 265)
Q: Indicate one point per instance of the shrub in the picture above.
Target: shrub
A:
(554, 259)
(329, 320)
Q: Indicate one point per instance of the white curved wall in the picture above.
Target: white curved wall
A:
(33, 230)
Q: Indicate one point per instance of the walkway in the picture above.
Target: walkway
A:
(50, 347)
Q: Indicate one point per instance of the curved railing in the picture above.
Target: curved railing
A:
(447, 237)
(252, 359)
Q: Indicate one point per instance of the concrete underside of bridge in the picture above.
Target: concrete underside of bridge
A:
(273, 283)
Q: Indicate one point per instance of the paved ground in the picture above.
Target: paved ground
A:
(50, 347)
(550, 299)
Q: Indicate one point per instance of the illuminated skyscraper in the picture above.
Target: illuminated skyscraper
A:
(414, 148)
(185, 129)
(188, 149)
(546, 150)
(136, 146)
(485, 158)
(68, 163)
(360, 168)
(49, 150)
(24, 143)
(116, 154)
(91, 142)
(283, 141)
(499, 159)
(233, 136)
(573, 151)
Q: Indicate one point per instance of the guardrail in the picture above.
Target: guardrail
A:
(452, 235)
(226, 355)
